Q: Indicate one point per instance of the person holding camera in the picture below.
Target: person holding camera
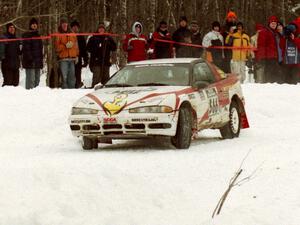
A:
(67, 51)
(290, 46)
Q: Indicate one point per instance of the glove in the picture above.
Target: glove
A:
(69, 44)
(85, 64)
(150, 51)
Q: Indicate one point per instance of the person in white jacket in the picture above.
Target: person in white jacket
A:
(214, 39)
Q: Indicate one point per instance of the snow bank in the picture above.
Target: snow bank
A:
(46, 178)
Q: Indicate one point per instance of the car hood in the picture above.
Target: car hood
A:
(114, 100)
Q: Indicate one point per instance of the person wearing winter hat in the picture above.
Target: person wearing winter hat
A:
(214, 39)
(161, 49)
(101, 48)
(32, 51)
(136, 44)
(182, 35)
(83, 58)
(11, 62)
(67, 51)
(228, 29)
(266, 55)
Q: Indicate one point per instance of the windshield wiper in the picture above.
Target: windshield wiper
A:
(118, 85)
(153, 84)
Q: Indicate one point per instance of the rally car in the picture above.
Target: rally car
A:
(175, 98)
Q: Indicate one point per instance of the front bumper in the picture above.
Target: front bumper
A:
(124, 126)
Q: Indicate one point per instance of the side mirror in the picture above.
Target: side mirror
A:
(200, 84)
(98, 86)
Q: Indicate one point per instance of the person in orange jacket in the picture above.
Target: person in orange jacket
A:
(67, 52)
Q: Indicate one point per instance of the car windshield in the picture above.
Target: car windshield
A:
(151, 75)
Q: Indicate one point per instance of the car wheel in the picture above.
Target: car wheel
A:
(89, 143)
(182, 139)
(233, 127)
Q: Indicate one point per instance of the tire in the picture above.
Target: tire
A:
(233, 127)
(182, 139)
(89, 143)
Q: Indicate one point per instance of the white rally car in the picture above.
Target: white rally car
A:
(169, 97)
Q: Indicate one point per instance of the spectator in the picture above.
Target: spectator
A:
(267, 53)
(281, 78)
(239, 56)
(67, 50)
(135, 44)
(161, 49)
(212, 41)
(228, 52)
(290, 46)
(229, 28)
(196, 39)
(100, 46)
(83, 58)
(183, 35)
(32, 52)
(253, 41)
(11, 61)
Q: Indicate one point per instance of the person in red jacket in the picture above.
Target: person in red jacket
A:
(266, 55)
(135, 44)
(161, 49)
(290, 46)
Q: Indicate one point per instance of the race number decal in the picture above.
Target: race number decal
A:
(213, 101)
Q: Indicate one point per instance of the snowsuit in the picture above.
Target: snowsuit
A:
(197, 40)
(135, 45)
(32, 59)
(100, 48)
(183, 35)
(161, 49)
(83, 60)
(11, 61)
(267, 56)
(239, 56)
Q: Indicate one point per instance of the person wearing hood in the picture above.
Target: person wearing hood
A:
(183, 35)
(100, 46)
(83, 58)
(67, 51)
(211, 40)
(136, 44)
(266, 55)
(290, 46)
(196, 39)
(161, 49)
(11, 62)
(32, 51)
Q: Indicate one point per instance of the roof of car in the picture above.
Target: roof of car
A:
(163, 61)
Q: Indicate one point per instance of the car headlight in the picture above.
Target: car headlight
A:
(83, 111)
(152, 109)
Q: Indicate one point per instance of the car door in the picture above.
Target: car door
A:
(208, 107)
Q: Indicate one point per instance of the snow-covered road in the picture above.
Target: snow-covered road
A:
(46, 178)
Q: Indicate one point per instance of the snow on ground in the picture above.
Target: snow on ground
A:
(46, 178)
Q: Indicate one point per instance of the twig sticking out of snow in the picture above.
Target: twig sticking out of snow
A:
(234, 182)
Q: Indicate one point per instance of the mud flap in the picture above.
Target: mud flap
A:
(244, 121)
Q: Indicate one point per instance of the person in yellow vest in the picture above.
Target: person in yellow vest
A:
(239, 56)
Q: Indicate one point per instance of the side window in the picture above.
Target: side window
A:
(202, 72)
